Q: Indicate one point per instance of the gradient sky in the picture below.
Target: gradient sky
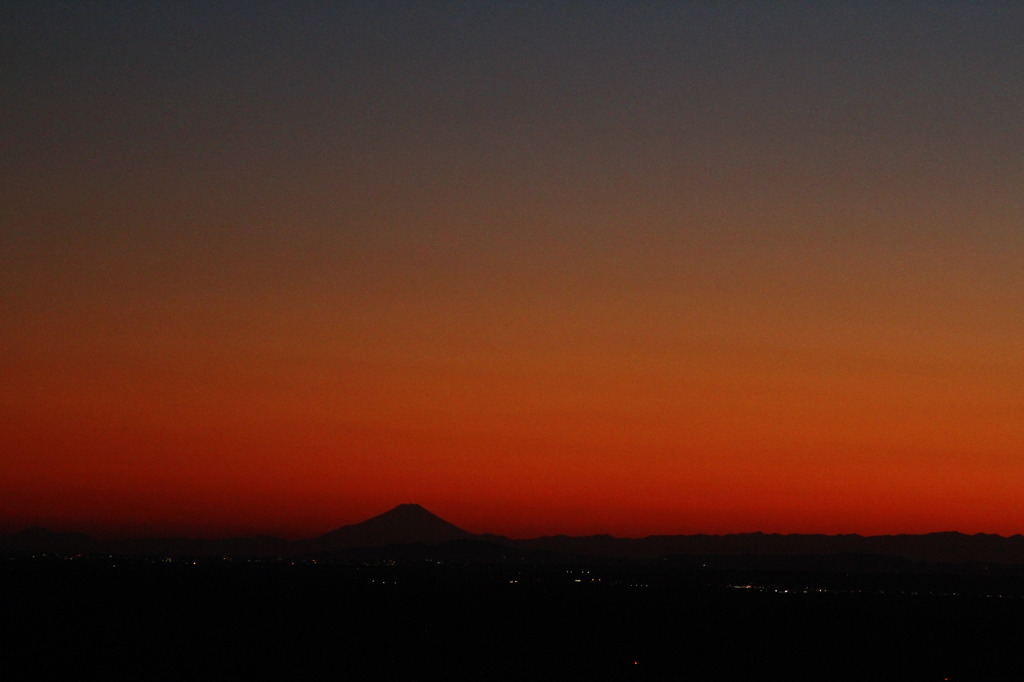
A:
(569, 267)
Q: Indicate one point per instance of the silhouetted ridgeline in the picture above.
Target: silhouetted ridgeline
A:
(410, 531)
(933, 547)
(407, 595)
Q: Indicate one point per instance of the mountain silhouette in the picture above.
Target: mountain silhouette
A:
(411, 531)
(405, 524)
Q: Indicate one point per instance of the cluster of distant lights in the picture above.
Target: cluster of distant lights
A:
(822, 590)
(587, 577)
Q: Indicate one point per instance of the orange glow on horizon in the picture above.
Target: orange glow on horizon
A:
(641, 274)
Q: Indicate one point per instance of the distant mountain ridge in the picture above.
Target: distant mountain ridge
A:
(420, 533)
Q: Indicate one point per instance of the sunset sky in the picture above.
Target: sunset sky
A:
(541, 267)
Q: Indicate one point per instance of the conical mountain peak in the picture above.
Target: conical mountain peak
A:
(405, 524)
(409, 508)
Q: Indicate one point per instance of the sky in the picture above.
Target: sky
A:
(569, 267)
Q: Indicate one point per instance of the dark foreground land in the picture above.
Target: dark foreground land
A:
(116, 618)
